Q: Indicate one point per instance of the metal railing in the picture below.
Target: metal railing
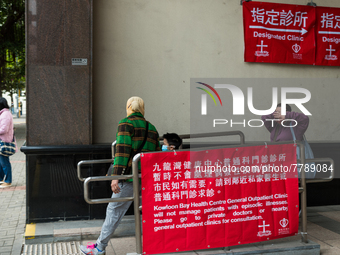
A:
(303, 183)
(204, 135)
(96, 161)
(320, 160)
(124, 177)
(135, 176)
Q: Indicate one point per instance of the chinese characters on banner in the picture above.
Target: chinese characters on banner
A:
(328, 36)
(291, 34)
(216, 198)
(279, 33)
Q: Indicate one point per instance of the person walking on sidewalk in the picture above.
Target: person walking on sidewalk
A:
(6, 135)
(133, 132)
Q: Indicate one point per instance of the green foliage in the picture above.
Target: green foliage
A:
(12, 45)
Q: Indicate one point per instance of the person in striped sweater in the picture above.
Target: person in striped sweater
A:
(131, 134)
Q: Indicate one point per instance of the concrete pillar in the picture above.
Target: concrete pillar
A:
(59, 91)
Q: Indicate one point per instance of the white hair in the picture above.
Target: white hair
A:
(137, 104)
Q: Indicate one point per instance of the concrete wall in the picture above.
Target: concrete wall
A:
(151, 48)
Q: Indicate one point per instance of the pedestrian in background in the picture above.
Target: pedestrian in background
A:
(278, 132)
(6, 135)
(20, 108)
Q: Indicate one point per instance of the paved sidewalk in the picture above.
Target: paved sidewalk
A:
(323, 222)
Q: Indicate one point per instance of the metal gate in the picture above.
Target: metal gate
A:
(135, 176)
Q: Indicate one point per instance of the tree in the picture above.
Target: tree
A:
(12, 45)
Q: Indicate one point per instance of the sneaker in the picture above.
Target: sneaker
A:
(5, 185)
(90, 248)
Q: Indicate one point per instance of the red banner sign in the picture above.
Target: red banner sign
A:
(328, 36)
(217, 198)
(279, 33)
(291, 34)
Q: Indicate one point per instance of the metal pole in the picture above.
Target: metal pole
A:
(136, 203)
(113, 149)
(303, 195)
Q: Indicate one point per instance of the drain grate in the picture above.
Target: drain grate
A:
(67, 248)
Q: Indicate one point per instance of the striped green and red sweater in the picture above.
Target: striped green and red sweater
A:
(130, 135)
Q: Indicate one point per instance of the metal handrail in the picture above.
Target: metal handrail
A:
(105, 178)
(135, 177)
(90, 162)
(225, 133)
(113, 149)
(320, 160)
(136, 200)
(95, 161)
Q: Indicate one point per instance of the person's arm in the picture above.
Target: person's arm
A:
(269, 124)
(123, 150)
(123, 147)
(301, 119)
